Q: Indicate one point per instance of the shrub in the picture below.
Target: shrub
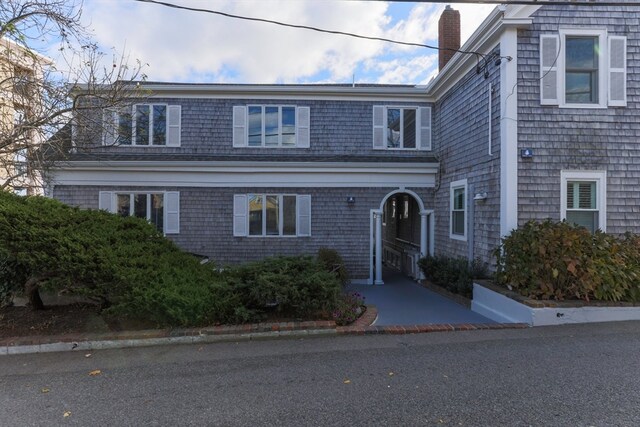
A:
(349, 308)
(297, 286)
(454, 274)
(333, 263)
(551, 260)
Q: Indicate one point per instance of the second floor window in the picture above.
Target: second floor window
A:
(143, 125)
(271, 126)
(581, 70)
(146, 126)
(401, 128)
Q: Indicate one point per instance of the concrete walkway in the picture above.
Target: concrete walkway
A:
(401, 301)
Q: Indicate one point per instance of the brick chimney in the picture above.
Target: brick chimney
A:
(448, 35)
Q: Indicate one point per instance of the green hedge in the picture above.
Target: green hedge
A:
(134, 271)
(454, 274)
(551, 260)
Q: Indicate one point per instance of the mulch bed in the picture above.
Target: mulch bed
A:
(54, 320)
(77, 318)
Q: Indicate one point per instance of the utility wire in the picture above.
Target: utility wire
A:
(524, 2)
(306, 27)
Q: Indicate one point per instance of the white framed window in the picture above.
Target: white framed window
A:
(272, 215)
(583, 68)
(20, 191)
(284, 126)
(583, 197)
(143, 125)
(161, 209)
(458, 210)
(401, 128)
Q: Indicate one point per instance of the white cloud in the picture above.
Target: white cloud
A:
(193, 46)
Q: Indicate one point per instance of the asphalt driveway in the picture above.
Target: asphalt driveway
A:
(401, 301)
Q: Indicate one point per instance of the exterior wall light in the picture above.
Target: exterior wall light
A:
(351, 200)
(480, 196)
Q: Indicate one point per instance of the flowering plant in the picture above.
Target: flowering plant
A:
(349, 309)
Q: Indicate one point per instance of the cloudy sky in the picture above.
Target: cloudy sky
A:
(186, 46)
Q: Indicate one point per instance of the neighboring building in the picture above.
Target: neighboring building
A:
(20, 70)
(544, 124)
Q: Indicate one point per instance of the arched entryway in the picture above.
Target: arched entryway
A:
(402, 233)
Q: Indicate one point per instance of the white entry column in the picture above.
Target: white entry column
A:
(377, 215)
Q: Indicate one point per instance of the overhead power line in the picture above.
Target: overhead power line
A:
(525, 2)
(306, 27)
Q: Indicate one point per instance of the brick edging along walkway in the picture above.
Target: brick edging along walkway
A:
(362, 326)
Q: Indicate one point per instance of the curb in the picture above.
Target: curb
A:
(251, 332)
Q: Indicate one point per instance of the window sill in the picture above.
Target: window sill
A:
(458, 237)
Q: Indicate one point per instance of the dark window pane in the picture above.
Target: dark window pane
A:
(255, 215)
(581, 87)
(157, 211)
(587, 219)
(289, 214)
(393, 128)
(140, 205)
(409, 129)
(581, 77)
(458, 222)
(159, 125)
(255, 126)
(458, 199)
(142, 125)
(124, 127)
(124, 204)
(271, 125)
(582, 52)
(273, 216)
(288, 125)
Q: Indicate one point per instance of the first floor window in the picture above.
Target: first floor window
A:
(272, 215)
(149, 206)
(268, 215)
(582, 199)
(458, 205)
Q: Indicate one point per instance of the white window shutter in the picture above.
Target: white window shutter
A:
(378, 127)
(174, 122)
(172, 212)
(239, 126)
(106, 201)
(303, 204)
(424, 128)
(617, 71)
(303, 120)
(240, 220)
(549, 59)
(109, 128)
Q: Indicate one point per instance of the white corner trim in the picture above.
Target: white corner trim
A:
(600, 178)
(509, 132)
(461, 183)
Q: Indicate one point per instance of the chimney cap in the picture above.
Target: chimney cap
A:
(448, 7)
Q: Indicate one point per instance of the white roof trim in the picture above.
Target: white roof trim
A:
(484, 39)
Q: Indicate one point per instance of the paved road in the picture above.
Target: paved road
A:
(586, 375)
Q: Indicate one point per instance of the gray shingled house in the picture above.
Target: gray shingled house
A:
(542, 122)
